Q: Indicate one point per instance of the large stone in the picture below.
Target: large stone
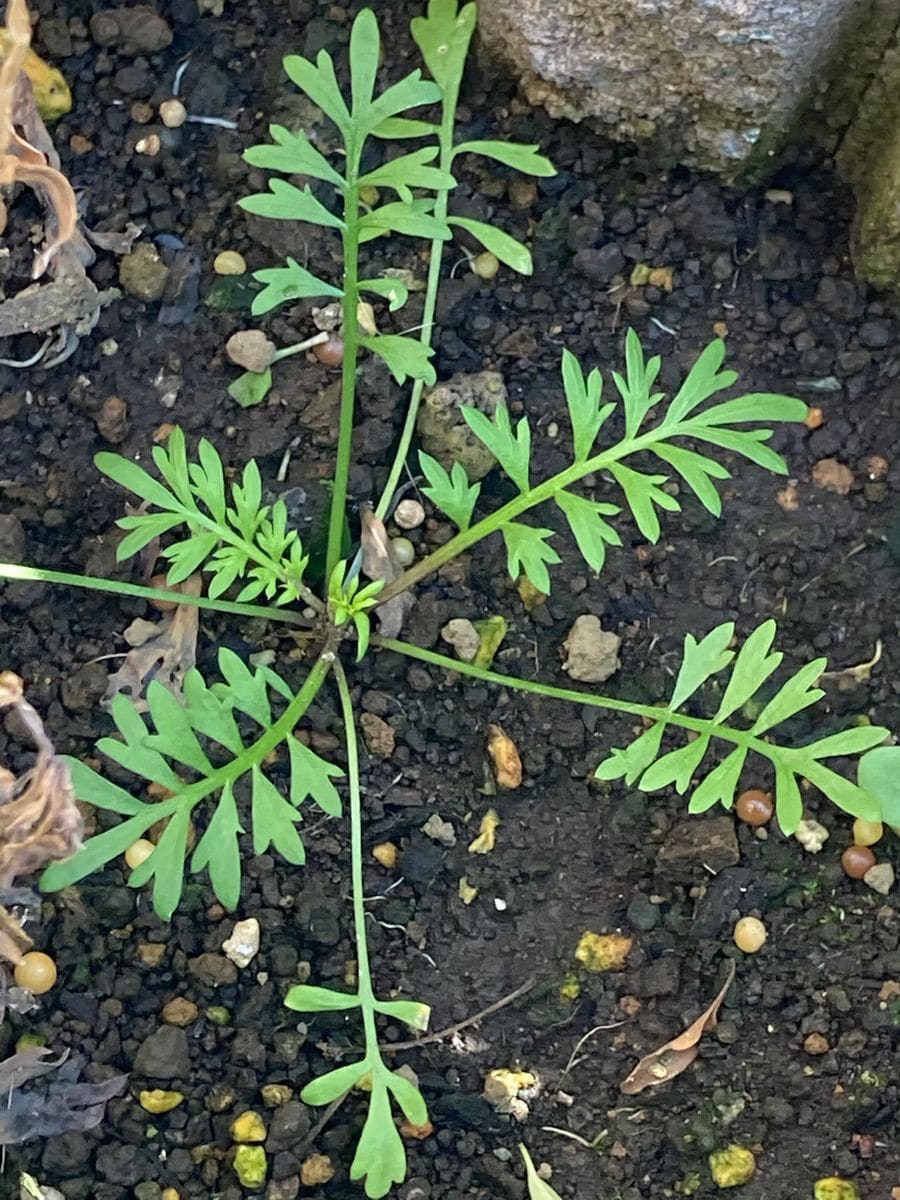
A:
(716, 82)
(165, 1054)
(869, 158)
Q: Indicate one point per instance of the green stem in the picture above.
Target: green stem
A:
(120, 588)
(445, 162)
(364, 974)
(349, 304)
(520, 504)
(739, 737)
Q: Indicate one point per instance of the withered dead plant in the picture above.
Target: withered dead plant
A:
(39, 819)
(20, 160)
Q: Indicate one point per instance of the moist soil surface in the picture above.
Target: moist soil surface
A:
(801, 1067)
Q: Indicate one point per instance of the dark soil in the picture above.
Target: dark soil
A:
(570, 856)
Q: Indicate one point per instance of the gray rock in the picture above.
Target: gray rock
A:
(12, 538)
(713, 82)
(599, 265)
(875, 334)
(215, 970)
(700, 842)
(660, 978)
(131, 31)
(290, 1122)
(165, 1054)
(642, 915)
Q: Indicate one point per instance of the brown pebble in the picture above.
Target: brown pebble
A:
(856, 860)
(112, 420)
(79, 144)
(754, 807)
(331, 353)
(151, 954)
(816, 1044)
(180, 1012)
(876, 466)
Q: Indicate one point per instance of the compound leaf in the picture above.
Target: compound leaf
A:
(721, 784)
(451, 493)
(702, 659)
(443, 38)
(218, 851)
(283, 284)
(405, 357)
(319, 82)
(752, 667)
(512, 450)
(286, 202)
(583, 401)
(274, 821)
(644, 496)
(380, 1158)
(592, 534)
(678, 767)
(878, 774)
(527, 553)
(500, 244)
(294, 154)
(698, 472)
(304, 997)
(512, 154)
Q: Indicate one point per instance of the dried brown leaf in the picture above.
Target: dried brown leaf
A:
(379, 563)
(676, 1056)
(20, 160)
(39, 819)
(165, 651)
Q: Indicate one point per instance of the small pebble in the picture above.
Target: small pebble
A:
(112, 420)
(229, 262)
(403, 551)
(811, 835)
(485, 265)
(36, 972)
(409, 514)
(243, 945)
(750, 935)
(138, 852)
(331, 352)
(880, 878)
(387, 854)
(149, 145)
(867, 833)
(815, 1044)
(857, 860)
(754, 807)
(173, 114)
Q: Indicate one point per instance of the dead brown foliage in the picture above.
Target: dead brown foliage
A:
(20, 160)
(39, 819)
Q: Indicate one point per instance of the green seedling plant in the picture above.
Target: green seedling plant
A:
(223, 756)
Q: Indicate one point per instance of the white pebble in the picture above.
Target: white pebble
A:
(243, 945)
(172, 113)
(811, 835)
(409, 514)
